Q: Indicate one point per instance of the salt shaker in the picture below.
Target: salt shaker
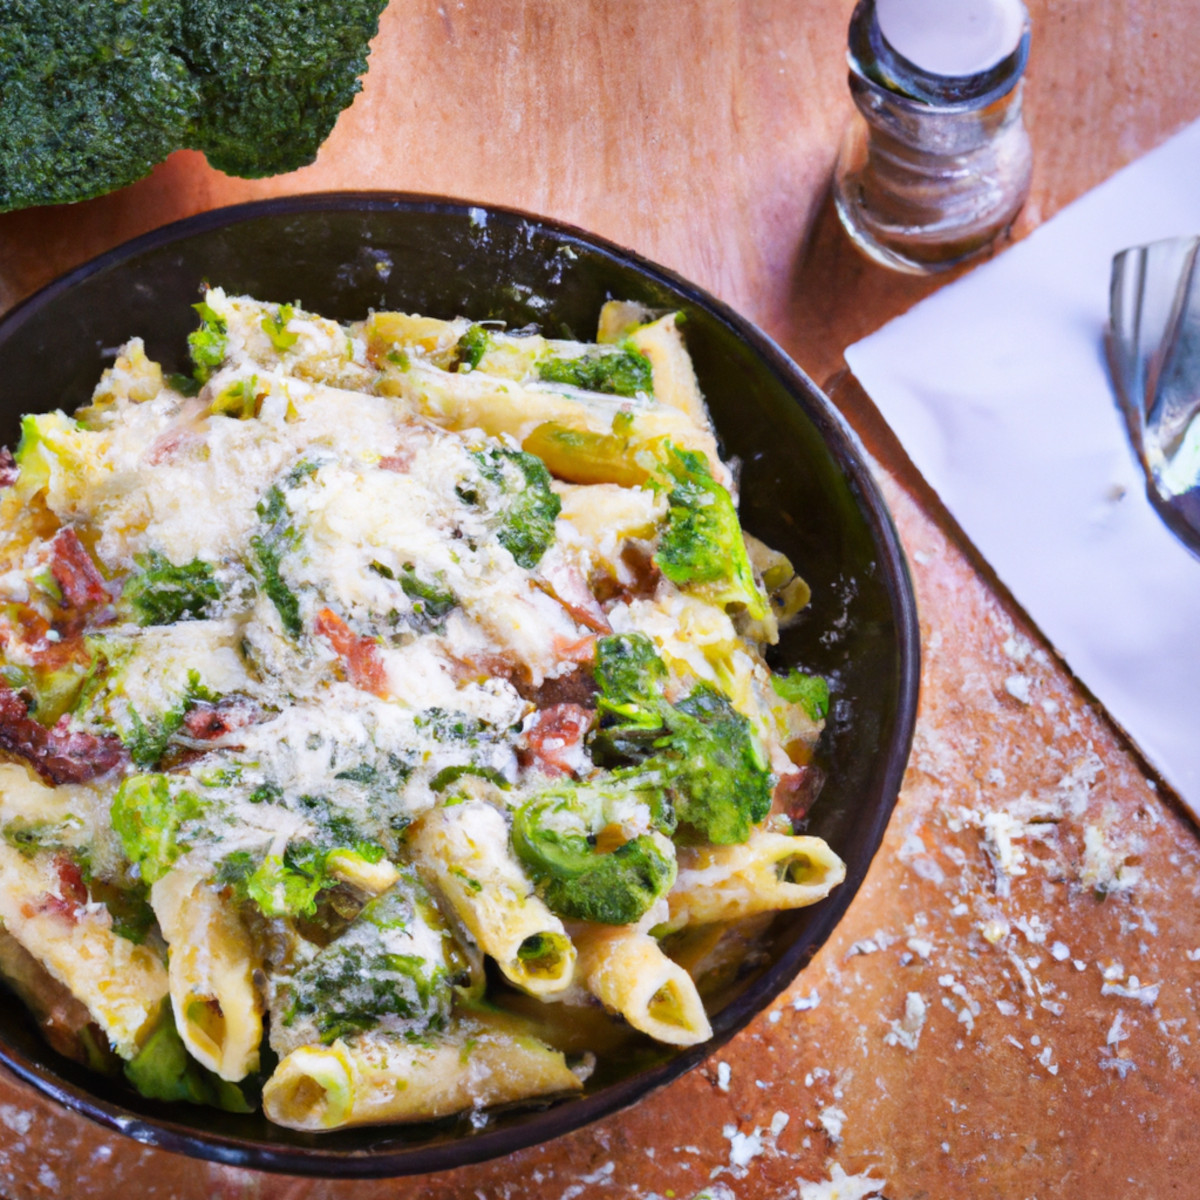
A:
(937, 162)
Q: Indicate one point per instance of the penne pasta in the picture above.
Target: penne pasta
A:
(626, 971)
(769, 872)
(464, 852)
(371, 1080)
(211, 968)
(118, 982)
(393, 332)
(675, 381)
(65, 1022)
(476, 401)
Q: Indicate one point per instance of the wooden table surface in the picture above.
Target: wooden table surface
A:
(1059, 1054)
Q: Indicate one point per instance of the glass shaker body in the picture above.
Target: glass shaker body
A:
(933, 169)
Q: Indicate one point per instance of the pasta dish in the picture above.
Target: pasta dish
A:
(385, 726)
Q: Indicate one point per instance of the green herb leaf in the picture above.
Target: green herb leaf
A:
(161, 593)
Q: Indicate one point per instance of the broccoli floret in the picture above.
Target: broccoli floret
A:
(556, 834)
(811, 692)
(702, 751)
(701, 547)
(163, 1070)
(161, 593)
(280, 885)
(396, 960)
(631, 677)
(152, 815)
(91, 105)
(207, 344)
(721, 774)
(525, 506)
(617, 372)
(620, 887)
(288, 884)
(277, 76)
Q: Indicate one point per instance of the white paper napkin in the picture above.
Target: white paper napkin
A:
(998, 388)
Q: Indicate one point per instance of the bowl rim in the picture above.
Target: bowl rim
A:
(848, 453)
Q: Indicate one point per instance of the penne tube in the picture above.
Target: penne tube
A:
(119, 983)
(626, 971)
(374, 1079)
(477, 401)
(674, 376)
(218, 1010)
(388, 332)
(65, 1023)
(463, 851)
(770, 872)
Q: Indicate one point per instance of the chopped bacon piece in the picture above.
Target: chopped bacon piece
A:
(401, 462)
(474, 668)
(641, 576)
(70, 879)
(551, 741)
(75, 573)
(58, 755)
(364, 667)
(22, 625)
(795, 792)
(575, 687)
(8, 468)
(206, 722)
(567, 585)
(72, 893)
(582, 651)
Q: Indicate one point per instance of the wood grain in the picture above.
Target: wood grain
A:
(703, 135)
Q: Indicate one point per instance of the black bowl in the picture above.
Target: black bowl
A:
(806, 489)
